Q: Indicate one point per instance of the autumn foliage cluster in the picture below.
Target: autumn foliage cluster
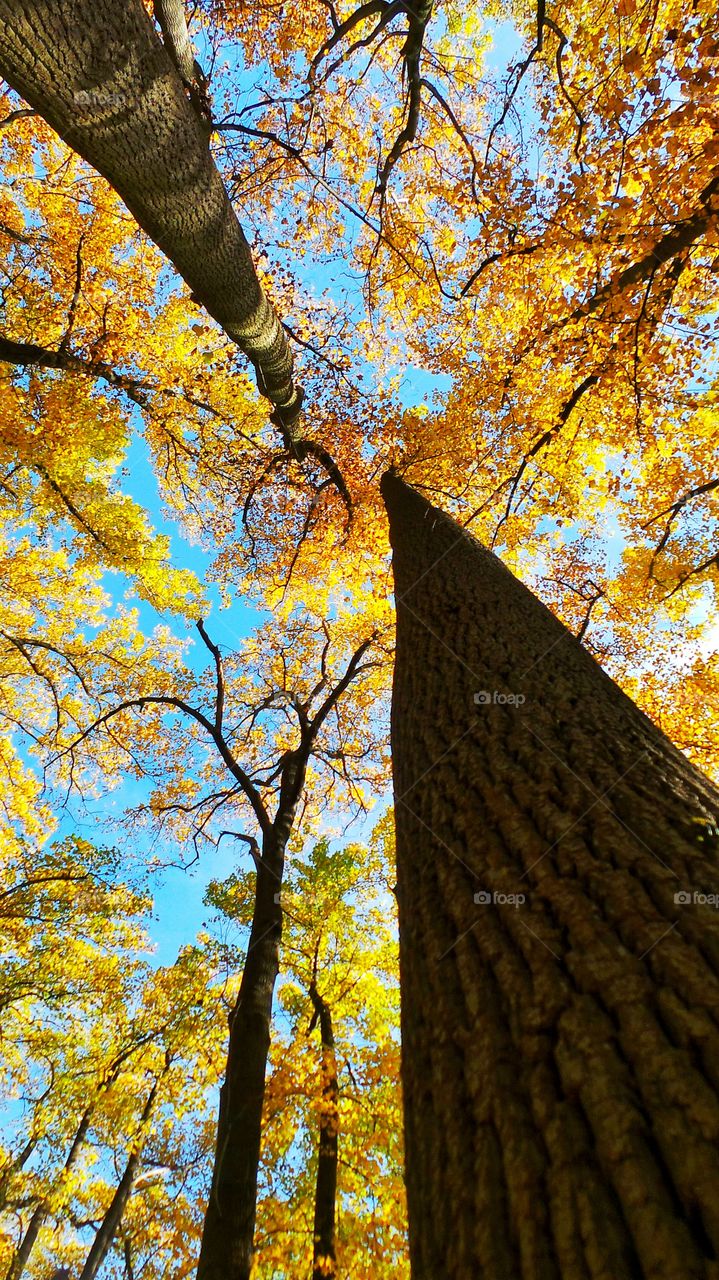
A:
(493, 237)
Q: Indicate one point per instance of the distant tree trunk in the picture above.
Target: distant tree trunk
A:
(41, 1213)
(14, 1165)
(324, 1257)
(228, 1234)
(560, 995)
(99, 73)
(112, 1220)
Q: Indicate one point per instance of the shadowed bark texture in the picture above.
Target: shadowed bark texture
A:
(559, 1001)
(99, 73)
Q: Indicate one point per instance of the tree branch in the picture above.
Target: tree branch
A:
(412, 53)
(671, 245)
(220, 681)
(334, 696)
(169, 700)
(367, 10)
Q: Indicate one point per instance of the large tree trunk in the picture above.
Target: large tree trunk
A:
(98, 72)
(228, 1234)
(560, 1045)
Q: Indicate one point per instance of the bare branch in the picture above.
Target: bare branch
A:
(342, 29)
(563, 42)
(74, 300)
(712, 561)
(229, 126)
(434, 91)
(248, 840)
(364, 41)
(169, 700)
(21, 114)
(70, 505)
(334, 696)
(540, 443)
(673, 244)
(300, 447)
(520, 71)
(672, 511)
(499, 256)
(412, 53)
(27, 354)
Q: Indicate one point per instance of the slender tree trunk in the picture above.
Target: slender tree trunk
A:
(13, 1166)
(41, 1213)
(559, 970)
(98, 72)
(324, 1257)
(110, 1224)
(227, 1239)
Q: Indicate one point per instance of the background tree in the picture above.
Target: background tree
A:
(271, 719)
(339, 927)
(111, 1069)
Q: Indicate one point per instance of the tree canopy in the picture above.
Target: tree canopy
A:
(251, 257)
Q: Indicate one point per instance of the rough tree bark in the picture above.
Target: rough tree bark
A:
(99, 73)
(324, 1254)
(560, 1043)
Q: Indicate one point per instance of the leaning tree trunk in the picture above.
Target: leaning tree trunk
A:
(98, 72)
(559, 968)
